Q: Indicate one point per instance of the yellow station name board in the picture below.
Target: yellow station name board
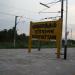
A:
(45, 31)
(48, 30)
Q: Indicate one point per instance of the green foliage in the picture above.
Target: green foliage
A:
(7, 41)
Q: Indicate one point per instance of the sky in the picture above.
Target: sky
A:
(29, 11)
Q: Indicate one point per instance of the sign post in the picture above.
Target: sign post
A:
(46, 31)
(30, 38)
(59, 37)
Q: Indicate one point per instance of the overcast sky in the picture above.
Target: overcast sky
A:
(29, 10)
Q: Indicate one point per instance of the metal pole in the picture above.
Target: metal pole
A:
(62, 10)
(71, 37)
(15, 31)
(62, 4)
(71, 34)
(65, 47)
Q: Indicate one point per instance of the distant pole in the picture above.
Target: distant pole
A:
(65, 47)
(71, 34)
(71, 37)
(15, 31)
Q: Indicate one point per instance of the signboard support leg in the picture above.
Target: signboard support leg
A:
(58, 49)
(39, 48)
(30, 43)
(30, 38)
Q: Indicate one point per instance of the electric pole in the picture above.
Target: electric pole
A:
(65, 48)
(15, 31)
(71, 33)
(62, 10)
(71, 37)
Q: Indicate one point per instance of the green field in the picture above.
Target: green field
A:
(35, 44)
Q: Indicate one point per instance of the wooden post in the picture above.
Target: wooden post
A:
(59, 37)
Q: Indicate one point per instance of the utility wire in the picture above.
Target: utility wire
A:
(19, 9)
(50, 12)
(5, 13)
(52, 3)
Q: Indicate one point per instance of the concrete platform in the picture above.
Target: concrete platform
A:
(44, 62)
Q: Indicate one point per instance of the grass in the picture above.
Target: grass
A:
(8, 45)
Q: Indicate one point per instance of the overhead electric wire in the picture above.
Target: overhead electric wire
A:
(9, 7)
(49, 12)
(52, 3)
(5, 13)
